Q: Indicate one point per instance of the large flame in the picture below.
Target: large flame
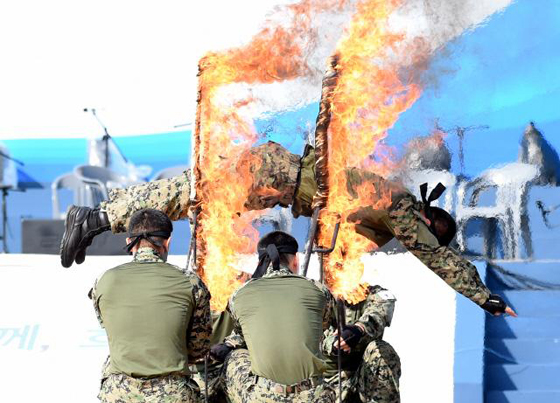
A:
(275, 54)
(366, 101)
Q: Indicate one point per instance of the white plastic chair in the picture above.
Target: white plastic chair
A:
(281, 219)
(100, 181)
(71, 182)
(511, 185)
(170, 172)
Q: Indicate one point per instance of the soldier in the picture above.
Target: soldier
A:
(425, 231)
(157, 319)
(279, 319)
(211, 379)
(370, 366)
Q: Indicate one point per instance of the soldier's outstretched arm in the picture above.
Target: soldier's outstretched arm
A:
(172, 196)
(200, 326)
(456, 271)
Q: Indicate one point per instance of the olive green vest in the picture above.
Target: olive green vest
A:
(146, 309)
(282, 322)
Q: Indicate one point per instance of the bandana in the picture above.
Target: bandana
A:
(272, 255)
(136, 238)
(434, 195)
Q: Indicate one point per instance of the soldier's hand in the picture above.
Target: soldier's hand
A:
(349, 338)
(219, 352)
(496, 306)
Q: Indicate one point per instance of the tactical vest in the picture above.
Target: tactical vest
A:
(146, 309)
(282, 322)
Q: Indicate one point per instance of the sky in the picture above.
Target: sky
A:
(135, 62)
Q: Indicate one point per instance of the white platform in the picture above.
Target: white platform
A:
(58, 348)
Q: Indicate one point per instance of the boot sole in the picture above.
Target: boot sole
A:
(69, 224)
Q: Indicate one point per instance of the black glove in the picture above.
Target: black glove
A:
(495, 304)
(351, 335)
(219, 352)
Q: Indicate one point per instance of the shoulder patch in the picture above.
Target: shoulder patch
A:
(386, 295)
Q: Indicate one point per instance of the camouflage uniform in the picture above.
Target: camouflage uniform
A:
(175, 387)
(243, 386)
(371, 371)
(275, 172)
(222, 327)
(283, 178)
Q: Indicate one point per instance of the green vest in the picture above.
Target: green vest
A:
(282, 322)
(146, 308)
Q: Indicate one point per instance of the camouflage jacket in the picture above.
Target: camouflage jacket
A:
(236, 339)
(460, 274)
(401, 220)
(373, 314)
(200, 327)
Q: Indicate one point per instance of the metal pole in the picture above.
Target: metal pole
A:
(311, 240)
(340, 323)
(206, 378)
(4, 221)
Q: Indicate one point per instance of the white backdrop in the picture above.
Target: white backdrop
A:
(51, 347)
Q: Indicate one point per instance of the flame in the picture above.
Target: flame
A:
(366, 101)
(223, 134)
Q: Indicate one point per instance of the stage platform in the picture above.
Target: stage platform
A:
(52, 348)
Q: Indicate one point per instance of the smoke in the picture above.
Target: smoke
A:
(427, 27)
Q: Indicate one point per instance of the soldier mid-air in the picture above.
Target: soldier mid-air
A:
(282, 178)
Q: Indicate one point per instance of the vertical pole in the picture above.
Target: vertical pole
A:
(4, 221)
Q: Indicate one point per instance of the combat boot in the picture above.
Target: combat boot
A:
(81, 226)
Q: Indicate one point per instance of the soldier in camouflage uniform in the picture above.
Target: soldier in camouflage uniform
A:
(282, 178)
(213, 378)
(279, 319)
(370, 366)
(157, 318)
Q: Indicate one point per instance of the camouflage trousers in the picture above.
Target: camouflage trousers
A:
(120, 388)
(170, 196)
(376, 379)
(242, 386)
(214, 383)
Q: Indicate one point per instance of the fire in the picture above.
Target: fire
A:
(366, 101)
(222, 134)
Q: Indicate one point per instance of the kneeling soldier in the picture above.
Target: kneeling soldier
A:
(157, 319)
(279, 317)
(370, 366)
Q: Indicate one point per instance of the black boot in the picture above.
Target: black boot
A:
(81, 226)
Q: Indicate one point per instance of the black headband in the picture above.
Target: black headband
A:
(136, 238)
(272, 255)
(434, 195)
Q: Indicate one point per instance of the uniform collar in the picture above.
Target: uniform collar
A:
(147, 255)
(283, 271)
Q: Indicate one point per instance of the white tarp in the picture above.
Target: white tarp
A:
(52, 348)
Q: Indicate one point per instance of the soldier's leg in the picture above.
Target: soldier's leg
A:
(347, 386)
(320, 394)
(83, 223)
(377, 378)
(215, 384)
(239, 380)
(170, 196)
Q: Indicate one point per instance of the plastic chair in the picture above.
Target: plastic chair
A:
(100, 181)
(170, 172)
(71, 182)
(511, 185)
